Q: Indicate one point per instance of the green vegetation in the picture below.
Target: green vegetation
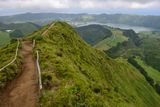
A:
(18, 30)
(153, 73)
(4, 38)
(93, 34)
(7, 55)
(109, 42)
(74, 74)
(151, 49)
(24, 28)
(151, 34)
(148, 76)
(16, 34)
(142, 70)
(132, 20)
(147, 46)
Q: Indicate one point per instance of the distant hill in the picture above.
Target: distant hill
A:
(122, 48)
(16, 30)
(93, 34)
(44, 18)
(25, 28)
(104, 37)
(146, 46)
(109, 42)
(128, 44)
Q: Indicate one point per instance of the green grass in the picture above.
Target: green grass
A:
(10, 72)
(4, 38)
(153, 73)
(117, 37)
(154, 34)
(151, 48)
(76, 75)
(93, 34)
(147, 46)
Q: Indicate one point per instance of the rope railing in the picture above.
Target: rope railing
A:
(39, 71)
(15, 57)
(38, 66)
(37, 61)
(34, 42)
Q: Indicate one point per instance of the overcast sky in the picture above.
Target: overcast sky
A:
(145, 7)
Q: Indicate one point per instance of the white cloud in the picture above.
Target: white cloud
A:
(82, 4)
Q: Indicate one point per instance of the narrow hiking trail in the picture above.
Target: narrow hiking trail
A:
(46, 31)
(23, 91)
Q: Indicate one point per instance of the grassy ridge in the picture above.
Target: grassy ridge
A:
(74, 74)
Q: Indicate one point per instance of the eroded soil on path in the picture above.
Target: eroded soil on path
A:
(23, 91)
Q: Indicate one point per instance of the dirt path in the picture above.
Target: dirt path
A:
(45, 32)
(23, 91)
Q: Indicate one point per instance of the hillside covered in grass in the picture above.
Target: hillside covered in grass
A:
(145, 45)
(102, 37)
(74, 74)
(7, 55)
(109, 42)
(150, 70)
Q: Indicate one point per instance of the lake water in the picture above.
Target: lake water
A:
(121, 26)
(135, 28)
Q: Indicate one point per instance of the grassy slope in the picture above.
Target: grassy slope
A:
(74, 74)
(148, 49)
(7, 55)
(154, 34)
(153, 73)
(151, 48)
(4, 38)
(117, 37)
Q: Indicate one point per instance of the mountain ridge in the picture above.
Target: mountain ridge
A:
(78, 75)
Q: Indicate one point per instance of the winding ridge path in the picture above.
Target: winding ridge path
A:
(23, 91)
(46, 31)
